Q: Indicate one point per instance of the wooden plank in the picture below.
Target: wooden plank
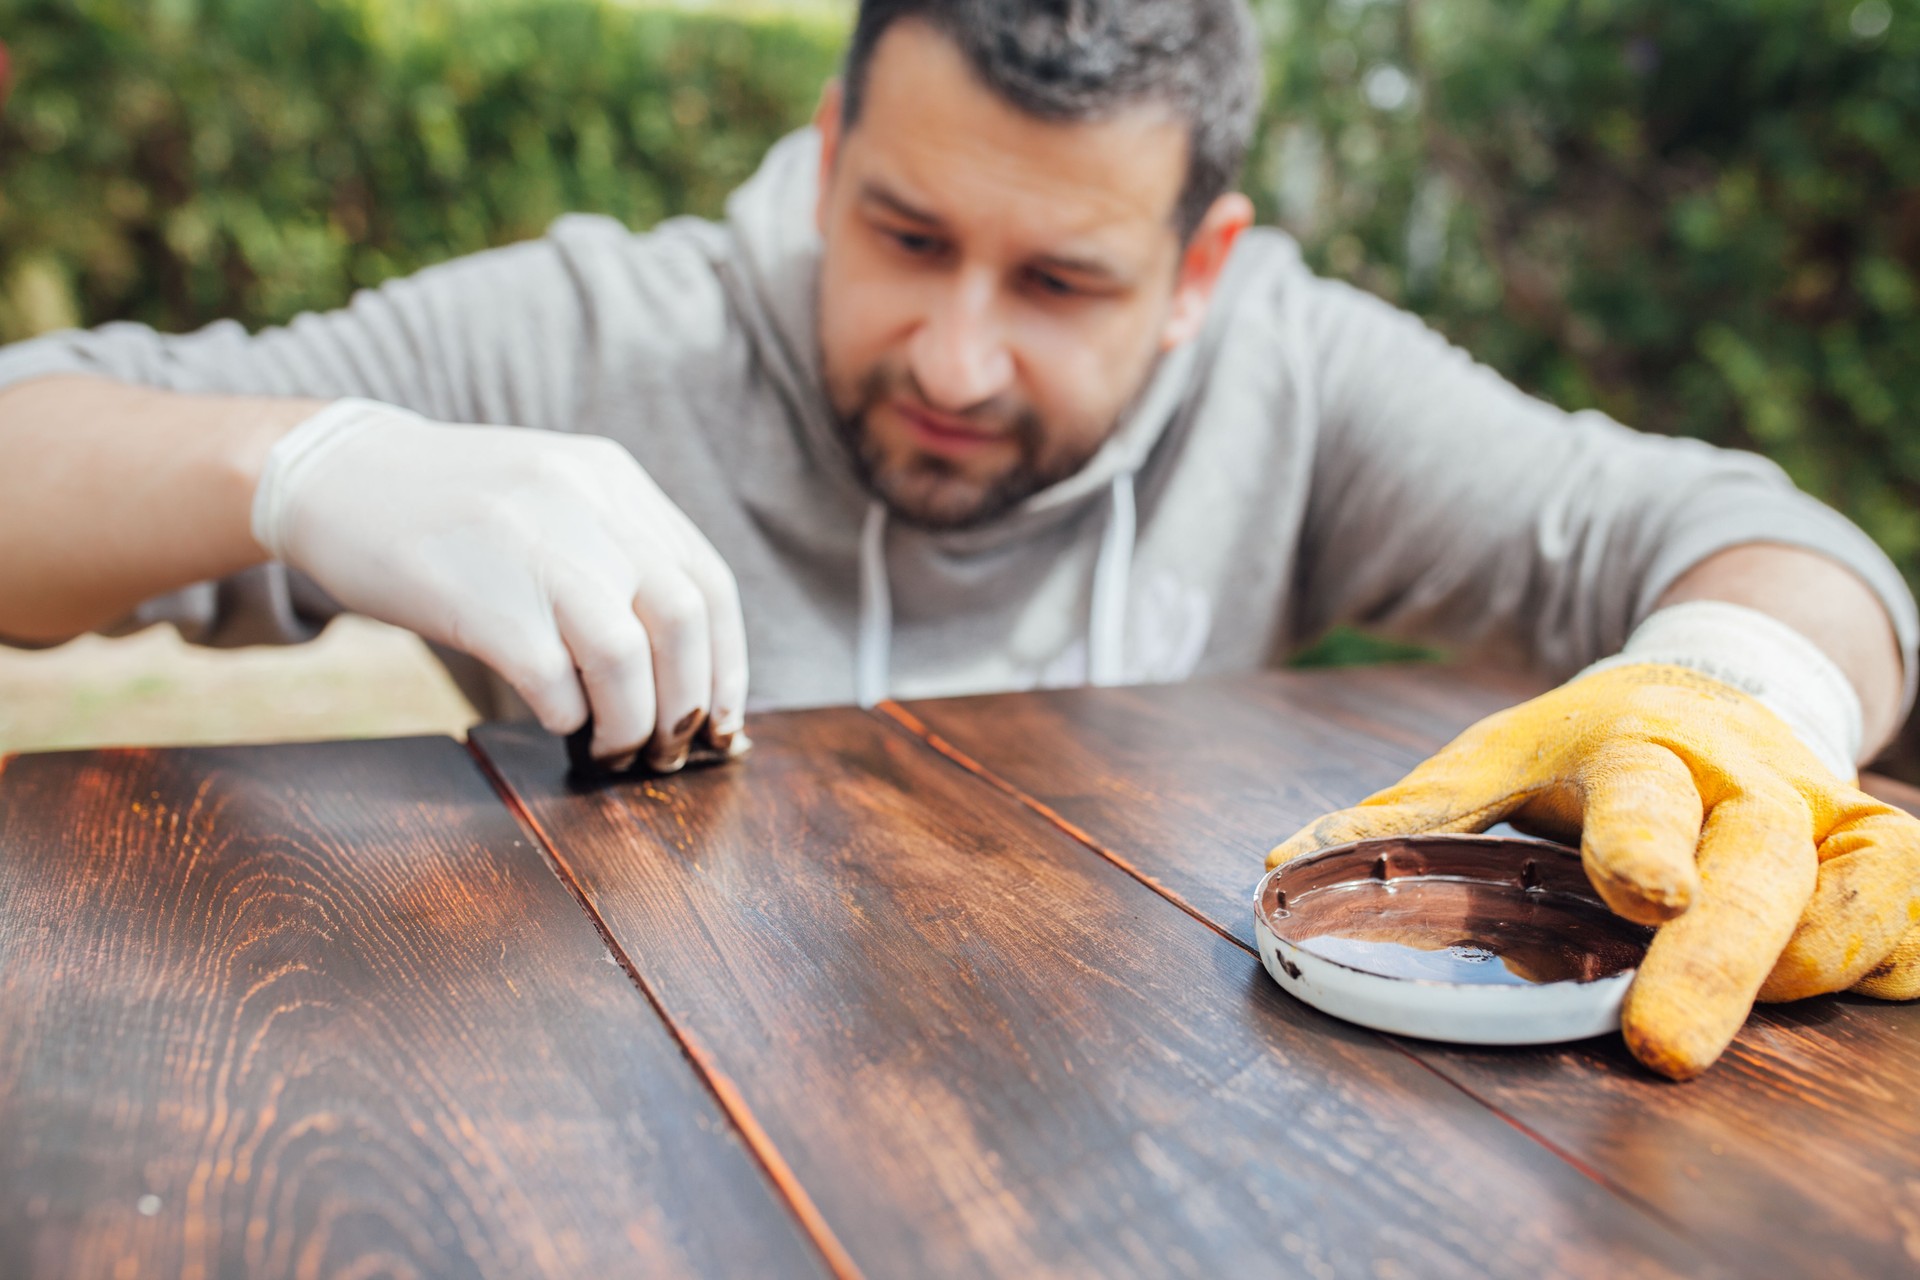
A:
(982, 1050)
(326, 1010)
(1798, 1154)
(1892, 790)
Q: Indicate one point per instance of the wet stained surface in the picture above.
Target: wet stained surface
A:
(1479, 911)
(1462, 932)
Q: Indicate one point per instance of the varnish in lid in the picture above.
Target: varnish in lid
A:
(1469, 938)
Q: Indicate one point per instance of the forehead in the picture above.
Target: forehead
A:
(935, 134)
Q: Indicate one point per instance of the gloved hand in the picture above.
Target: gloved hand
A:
(1696, 809)
(552, 558)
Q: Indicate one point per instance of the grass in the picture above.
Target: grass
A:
(359, 680)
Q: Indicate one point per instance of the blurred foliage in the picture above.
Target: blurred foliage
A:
(1703, 218)
(1346, 647)
(175, 161)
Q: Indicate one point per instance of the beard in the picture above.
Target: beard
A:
(932, 492)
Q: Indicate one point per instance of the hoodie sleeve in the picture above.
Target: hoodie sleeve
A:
(1449, 507)
(498, 337)
(495, 338)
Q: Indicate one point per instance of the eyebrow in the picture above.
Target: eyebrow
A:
(1092, 268)
(872, 192)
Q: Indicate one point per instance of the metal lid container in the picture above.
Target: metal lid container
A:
(1469, 938)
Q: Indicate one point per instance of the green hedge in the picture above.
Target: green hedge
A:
(175, 161)
(1701, 217)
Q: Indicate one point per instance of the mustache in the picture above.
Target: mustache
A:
(885, 383)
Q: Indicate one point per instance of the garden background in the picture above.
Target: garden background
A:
(1702, 218)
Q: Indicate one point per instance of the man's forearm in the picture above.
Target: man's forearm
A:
(111, 494)
(1823, 601)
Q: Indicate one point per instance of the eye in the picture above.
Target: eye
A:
(912, 242)
(1051, 285)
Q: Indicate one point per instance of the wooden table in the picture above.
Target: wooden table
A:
(951, 988)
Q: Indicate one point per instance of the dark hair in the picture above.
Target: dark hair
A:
(1086, 59)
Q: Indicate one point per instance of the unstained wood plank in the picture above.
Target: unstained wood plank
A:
(1798, 1154)
(982, 1051)
(325, 1010)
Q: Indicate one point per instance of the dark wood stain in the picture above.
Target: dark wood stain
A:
(325, 1010)
(982, 1051)
(1476, 910)
(1799, 1154)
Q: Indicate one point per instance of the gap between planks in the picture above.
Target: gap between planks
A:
(725, 1093)
(903, 720)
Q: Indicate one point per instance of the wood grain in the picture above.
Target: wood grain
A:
(325, 1010)
(983, 1051)
(1799, 1154)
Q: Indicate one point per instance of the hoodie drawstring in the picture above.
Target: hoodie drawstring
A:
(1106, 623)
(876, 609)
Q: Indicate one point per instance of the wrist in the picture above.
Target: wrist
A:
(238, 459)
(295, 453)
(1763, 658)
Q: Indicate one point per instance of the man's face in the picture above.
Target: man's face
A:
(994, 288)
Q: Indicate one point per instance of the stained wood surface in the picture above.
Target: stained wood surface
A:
(325, 1010)
(1799, 1154)
(981, 1049)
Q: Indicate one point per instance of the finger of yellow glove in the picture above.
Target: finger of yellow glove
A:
(1700, 976)
(1468, 785)
(1409, 808)
(1640, 830)
(1897, 976)
(1867, 897)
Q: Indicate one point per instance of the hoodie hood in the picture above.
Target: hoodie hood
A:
(1042, 594)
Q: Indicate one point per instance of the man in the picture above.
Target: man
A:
(986, 383)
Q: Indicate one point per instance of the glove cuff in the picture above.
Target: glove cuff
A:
(296, 452)
(1762, 657)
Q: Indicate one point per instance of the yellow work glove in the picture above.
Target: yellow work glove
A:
(1696, 809)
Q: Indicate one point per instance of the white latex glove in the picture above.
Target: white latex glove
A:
(552, 558)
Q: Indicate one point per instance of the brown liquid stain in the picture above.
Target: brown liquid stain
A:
(1480, 911)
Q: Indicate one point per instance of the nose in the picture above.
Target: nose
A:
(959, 355)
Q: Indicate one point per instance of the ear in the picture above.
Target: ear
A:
(826, 119)
(1201, 263)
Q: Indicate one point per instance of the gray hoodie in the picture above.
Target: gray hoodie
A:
(1314, 457)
